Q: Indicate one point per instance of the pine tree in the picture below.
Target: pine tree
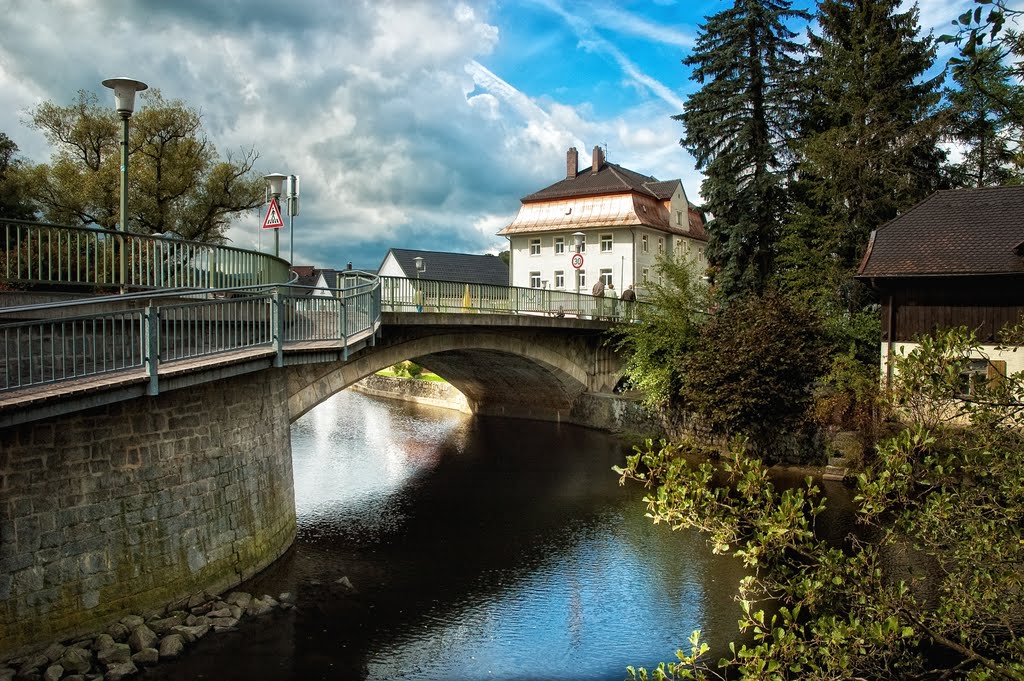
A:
(738, 127)
(869, 147)
(980, 121)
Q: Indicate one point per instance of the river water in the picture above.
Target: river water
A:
(476, 548)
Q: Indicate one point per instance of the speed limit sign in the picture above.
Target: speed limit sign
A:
(577, 260)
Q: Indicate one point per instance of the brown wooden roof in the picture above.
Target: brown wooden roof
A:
(952, 232)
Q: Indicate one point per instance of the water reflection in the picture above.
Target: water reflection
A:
(478, 549)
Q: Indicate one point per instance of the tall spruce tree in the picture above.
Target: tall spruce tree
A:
(869, 146)
(738, 127)
(980, 123)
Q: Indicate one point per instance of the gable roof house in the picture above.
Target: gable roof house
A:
(319, 281)
(458, 267)
(626, 219)
(955, 259)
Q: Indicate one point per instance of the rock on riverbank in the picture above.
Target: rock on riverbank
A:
(134, 641)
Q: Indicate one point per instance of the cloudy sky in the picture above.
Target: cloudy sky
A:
(412, 123)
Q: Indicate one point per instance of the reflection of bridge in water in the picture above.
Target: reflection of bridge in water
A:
(145, 436)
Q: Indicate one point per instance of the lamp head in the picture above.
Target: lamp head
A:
(276, 181)
(577, 238)
(124, 93)
(420, 265)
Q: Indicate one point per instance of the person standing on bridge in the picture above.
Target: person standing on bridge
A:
(628, 298)
(598, 292)
(613, 300)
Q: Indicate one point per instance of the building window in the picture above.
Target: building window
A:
(559, 245)
(646, 274)
(534, 246)
(559, 279)
(606, 275)
(700, 254)
(643, 243)
(679, 217)
(534, 279)
(679, 248)
(583, 280)
(583, 245)
(661, 246)
(606, 243)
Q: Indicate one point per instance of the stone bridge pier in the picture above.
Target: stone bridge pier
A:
(515, 366)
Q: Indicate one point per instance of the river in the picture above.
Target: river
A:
(476, 548)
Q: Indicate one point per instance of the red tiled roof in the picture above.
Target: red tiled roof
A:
(952, 232)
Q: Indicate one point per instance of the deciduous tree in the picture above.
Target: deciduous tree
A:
(929, 586)
(14, 203)
(177, 181)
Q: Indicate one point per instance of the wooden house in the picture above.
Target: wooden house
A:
(955, 259)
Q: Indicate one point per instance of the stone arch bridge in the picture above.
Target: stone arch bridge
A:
(133, 489)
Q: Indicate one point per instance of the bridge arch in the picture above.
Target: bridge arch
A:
(508, 374)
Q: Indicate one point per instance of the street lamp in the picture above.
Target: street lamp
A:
(124, 103)
(275, 182)
(421, 267)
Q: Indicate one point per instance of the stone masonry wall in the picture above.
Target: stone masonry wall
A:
(434, 393)
(137, 504)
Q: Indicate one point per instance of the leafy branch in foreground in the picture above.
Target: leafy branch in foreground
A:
(929, 586)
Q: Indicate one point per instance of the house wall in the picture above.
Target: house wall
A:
(390, 267)
(918, 307)
(1014, 360)
(627, 260)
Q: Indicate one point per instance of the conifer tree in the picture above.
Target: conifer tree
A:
(869, 146)
(979, 121)
(738, 127)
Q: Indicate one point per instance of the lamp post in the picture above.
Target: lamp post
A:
(421, 267)
(293, 210)
(124, 103)
(275, 181)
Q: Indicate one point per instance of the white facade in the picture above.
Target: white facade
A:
(620, 250)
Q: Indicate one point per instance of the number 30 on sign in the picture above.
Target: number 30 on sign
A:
(577, 260)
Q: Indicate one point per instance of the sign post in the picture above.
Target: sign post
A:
(273, 221)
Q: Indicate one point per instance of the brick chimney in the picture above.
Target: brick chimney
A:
(598, 159)
(572, 163)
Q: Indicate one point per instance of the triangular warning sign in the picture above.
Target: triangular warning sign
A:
(273, 219)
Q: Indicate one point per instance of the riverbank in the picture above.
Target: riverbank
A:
(622, 415)
(135, 642)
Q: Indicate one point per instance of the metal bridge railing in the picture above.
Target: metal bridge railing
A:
(427, 295)
(56, 255)
(147, 332)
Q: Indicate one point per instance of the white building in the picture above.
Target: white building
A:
(625, 221)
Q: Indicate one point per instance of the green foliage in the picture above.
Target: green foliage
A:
(14, 203)
(738, 127)
(177, 182)
(753, 368)
(929, 587)
(981, 120)
(407, 369)
(869, 145)
(656, 346)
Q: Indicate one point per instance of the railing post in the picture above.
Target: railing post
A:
(277, 326)
(151, 335)
(344, 329)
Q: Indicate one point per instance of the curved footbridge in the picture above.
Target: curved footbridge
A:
(144, 438)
